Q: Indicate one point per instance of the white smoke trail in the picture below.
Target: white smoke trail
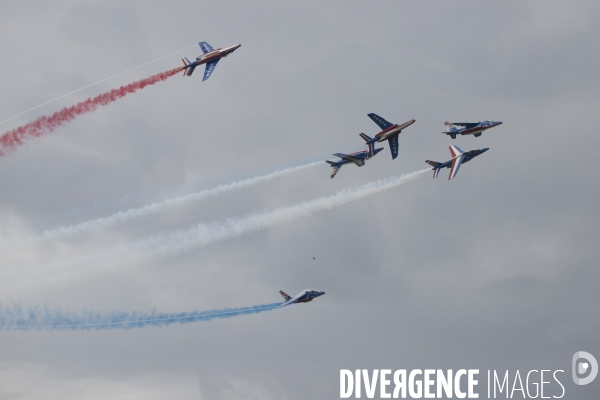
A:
(181, 241)
(154, 208)
(95, 83)
(185, 240)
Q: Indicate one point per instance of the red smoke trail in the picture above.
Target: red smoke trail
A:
(44, 125)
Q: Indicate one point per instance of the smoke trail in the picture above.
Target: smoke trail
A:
(154, 208)
(16, 317)
(95, 83)
(46, 124)
(185, 240)
(175, 242)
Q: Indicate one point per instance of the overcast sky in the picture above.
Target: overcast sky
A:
(496, 269)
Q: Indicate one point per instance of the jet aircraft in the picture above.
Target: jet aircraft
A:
(390, 132)
(458, 157)
(469, 128)
(210, 57)
(304, 297)
(357, 158)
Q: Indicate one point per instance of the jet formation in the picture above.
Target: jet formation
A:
(391, 131)
(210, 57)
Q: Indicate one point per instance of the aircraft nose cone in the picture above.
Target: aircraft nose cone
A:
(485, 149)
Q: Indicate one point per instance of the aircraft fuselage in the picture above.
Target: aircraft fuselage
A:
(392, 131)
(215, 55)
(468, 156)
(459, 157)
(475, 130)
(359, 157)
(305, 300)
(304, 297)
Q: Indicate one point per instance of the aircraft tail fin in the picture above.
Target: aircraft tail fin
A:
(187, 70)
(435, 165)
(366, 137)
(285, 295)
(369, 142)
(185, 66)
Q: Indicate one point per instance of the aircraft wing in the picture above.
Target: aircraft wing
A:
(455, 166)
(205, 47)
(383, 124)
(393, 142)
(348, 158)
(210, 67)
(455, 151)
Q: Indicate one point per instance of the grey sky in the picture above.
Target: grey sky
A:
(496, 269)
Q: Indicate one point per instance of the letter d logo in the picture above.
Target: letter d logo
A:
(582, 367)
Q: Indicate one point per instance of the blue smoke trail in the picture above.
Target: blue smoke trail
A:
(16, 317)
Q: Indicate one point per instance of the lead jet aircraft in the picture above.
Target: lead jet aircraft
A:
(304, 297)
(458, 157)
(210, 57)
(390, 132)
(469, 128)
(357, 158)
